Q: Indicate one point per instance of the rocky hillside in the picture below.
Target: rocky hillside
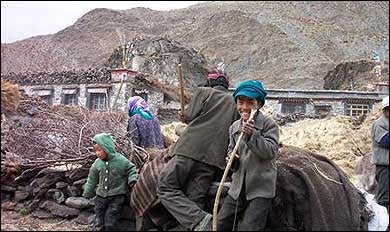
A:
(354, 75)
(285, 44)
(159, 57)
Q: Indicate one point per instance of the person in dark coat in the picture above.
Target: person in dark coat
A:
(380, 154)
(253, 186)
(199, 153)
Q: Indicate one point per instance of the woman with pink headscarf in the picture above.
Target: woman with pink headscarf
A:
(143, 127)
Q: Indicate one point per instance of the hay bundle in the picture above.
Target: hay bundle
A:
(173, 130)
(335, 137)
(9, 97)
(315, 194)
(339, 138)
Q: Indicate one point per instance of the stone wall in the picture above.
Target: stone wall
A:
(117, 86)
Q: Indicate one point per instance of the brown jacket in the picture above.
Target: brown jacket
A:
(257, 159)
(209, 115)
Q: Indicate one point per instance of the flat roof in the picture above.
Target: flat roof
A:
(322, 94)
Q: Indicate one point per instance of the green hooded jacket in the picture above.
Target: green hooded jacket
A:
(110, 177)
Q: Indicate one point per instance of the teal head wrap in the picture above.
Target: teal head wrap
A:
(252, 89)
(137, 105)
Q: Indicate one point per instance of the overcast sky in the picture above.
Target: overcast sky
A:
(21, 20)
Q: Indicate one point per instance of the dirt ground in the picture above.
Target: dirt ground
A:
(14, 221)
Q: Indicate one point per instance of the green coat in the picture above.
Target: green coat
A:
(209, 115)
(109, 177)
(257, 159)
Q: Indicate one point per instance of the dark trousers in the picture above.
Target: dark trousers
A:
(107, 211)
(382, 188)
(244, 215)
(182, 189)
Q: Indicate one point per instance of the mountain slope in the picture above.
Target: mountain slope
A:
(284, 44)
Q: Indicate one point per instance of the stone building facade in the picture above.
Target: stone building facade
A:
(324, 102)
(104, 90)
(109, 91)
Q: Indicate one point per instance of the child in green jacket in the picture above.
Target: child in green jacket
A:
(112, 175)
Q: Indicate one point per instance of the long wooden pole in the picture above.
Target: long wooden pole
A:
(117, 95)
(229, 164)
(181, 81)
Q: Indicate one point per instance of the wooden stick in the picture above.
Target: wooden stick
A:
(58, 161)
(117, 95)
(81, 133)
(181, 81)
(229, 164)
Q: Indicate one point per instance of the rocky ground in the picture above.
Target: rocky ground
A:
(17, 221)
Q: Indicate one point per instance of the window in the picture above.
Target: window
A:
(46, 98)
(70, 99)
(292, 107)
(45, 95)
(98, 101)
(322, 110)
(357, 109)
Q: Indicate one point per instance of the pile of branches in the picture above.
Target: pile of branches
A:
(46, 153)
(40, 136)
(44, 134)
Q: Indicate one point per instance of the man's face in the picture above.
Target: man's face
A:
(386, 112)
(245, 105)
(100, 153)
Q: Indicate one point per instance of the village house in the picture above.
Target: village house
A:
(326, 102)
(105, 89)
(95, 89)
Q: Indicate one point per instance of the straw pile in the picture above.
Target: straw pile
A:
(338, 138)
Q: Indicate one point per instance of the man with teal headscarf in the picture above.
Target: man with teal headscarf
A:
(143, 127)
(254, 172)
(252, 89)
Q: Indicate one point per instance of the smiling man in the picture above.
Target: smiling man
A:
(254, 174)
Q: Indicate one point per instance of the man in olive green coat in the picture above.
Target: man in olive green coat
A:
(254, 174)
(112, 175)
(198, 153)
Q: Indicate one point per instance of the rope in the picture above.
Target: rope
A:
(322, 174)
